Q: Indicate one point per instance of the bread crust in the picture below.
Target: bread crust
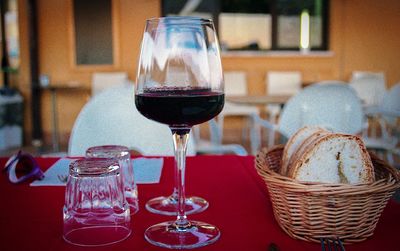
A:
(306, 144)
(291, 141)
(366, 159)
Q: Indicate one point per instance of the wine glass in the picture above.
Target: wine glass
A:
(166, 205)
(180, 84)
(150, 55)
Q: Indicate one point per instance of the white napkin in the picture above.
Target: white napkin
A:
(146, 171)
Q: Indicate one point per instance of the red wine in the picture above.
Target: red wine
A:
(179, 107)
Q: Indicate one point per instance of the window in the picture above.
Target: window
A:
(11, 36)
(94, 33)
(261, 25)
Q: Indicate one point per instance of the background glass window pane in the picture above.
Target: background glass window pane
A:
(258, 25)
(244, 30)
(288, 31)
(93, 32)
(288, 23)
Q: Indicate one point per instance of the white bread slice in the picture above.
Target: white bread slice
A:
(305, 145)
(294, 142)
(334, 158)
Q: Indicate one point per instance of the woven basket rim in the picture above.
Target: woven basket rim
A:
(391, 182)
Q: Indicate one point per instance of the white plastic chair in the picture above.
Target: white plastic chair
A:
(213, 146)
(334, 106)
(387, 115)
(370, 88)
(361, 74)
(281, 83)
(105, 80)
(391, 104)
(235, 85)
(111, 117)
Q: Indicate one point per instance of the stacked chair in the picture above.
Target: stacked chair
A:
(281, 83)
(331, 105)
(370, 88)
(236, 85)
(387, 115)
(105, 80)
(111, 118)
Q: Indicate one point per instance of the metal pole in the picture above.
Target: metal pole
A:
(37, 133)
(4, 59)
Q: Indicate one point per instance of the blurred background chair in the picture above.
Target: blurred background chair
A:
(213, 146)
(385, 143)
(111, 117)
(104, 80)
(281, 83)
(370, 88)
(362, 74)
(235, 85)
(334, 106)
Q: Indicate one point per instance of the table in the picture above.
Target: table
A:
(31, 217)
(53, 90)
(259, 100)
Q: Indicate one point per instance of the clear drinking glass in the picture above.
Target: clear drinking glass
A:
(95, 210)
(180, 84)
(122, 154)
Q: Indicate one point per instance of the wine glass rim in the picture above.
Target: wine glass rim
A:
(180, 20)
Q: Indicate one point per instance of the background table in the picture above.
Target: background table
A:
(259, 100)
(31, 217)
(67, 87)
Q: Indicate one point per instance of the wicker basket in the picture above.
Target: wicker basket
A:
(308, 211)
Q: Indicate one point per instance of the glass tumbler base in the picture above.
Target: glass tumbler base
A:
(94, 236)
(166, 235)
(168, 205)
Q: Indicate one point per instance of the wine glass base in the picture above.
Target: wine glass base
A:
(167, 235)
(168, 205)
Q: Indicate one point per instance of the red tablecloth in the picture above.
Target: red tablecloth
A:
(31, 217)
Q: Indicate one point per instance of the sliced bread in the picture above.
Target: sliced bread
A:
(333, 158)
(294, 142)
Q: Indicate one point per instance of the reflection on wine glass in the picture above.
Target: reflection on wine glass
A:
(180, 84)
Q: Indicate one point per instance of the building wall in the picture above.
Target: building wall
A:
(371, 38)
(363, 36)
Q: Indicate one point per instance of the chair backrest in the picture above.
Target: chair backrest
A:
(391, 101)
(111, 117)
(104, 80)
(213, 129)
(391, 104)
(370, 87)
(335, 106)
(283, 82)
(362, 74)
(235, 83)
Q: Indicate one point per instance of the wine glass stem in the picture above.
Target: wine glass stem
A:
(180, 137)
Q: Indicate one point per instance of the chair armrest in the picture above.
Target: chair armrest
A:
(255, 134)
(264, 123)
(222, 149)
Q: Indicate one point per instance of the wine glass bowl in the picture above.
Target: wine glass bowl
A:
(180, 84)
